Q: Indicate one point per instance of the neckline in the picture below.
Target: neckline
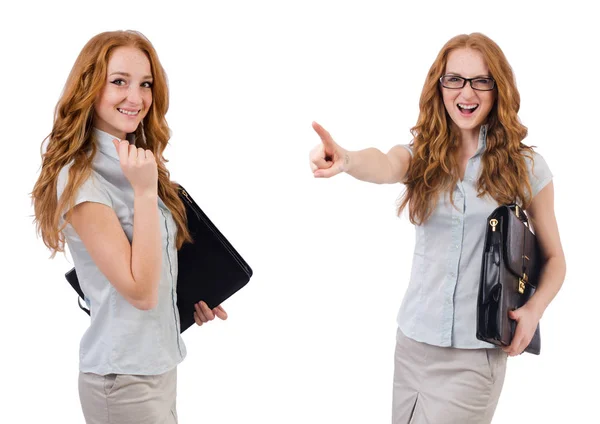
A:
(105, 144)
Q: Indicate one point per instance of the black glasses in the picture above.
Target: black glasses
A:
(479, 83)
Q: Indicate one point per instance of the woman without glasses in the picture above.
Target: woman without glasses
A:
(105, 191)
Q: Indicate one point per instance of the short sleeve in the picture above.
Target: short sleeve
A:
(91, 190)
(539, 173)
(409, 148)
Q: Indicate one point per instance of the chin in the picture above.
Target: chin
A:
(128, 129)
(468, 125)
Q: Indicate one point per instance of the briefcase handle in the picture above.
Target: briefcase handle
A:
(519, 213)
(86, 310)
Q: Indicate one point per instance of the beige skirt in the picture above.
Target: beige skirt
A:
(444, 385)
(128, 399)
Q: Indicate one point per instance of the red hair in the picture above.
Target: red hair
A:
(434, 168)
(71, 141)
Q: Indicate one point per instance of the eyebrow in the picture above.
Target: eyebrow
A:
(459, 75)
(125, 74)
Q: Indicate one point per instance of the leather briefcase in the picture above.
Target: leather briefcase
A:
(509, 275)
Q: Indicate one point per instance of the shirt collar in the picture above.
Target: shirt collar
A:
(482, 143)
(104, 142)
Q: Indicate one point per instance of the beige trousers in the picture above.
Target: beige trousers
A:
(444, 385)
(128, 399)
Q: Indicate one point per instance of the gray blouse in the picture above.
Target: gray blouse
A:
(122, 339)
(440, 303)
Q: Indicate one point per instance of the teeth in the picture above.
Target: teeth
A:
(460, 105)
(126, 112)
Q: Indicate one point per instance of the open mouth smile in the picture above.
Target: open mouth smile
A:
(128, 112)
(467, 109)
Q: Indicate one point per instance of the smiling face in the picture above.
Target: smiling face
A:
(467, 108)
(127, 94)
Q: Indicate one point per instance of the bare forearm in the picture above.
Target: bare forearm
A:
(146, 250)
(551, 280)
(369, 165)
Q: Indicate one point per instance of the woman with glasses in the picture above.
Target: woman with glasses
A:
(467, 157)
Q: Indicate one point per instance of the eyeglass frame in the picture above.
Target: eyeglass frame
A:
(465, 80)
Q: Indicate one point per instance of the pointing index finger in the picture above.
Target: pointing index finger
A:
(325, 136)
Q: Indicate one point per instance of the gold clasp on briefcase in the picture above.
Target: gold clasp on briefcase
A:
(522, 282)
(185, 194)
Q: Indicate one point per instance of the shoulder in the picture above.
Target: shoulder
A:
(93, 188)
(63, 178)
(534, 158)
(538, 171)
(408, 147)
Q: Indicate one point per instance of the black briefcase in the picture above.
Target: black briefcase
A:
(509, 276)
(209, 268)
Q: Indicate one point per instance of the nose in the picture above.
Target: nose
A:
(467, 91)
(134, 95)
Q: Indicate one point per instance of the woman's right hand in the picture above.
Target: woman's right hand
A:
(327, 158)
(139, 167)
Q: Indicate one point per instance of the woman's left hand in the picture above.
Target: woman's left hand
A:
(527, 320)
(204, 314)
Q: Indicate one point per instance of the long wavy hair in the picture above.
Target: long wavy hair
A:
(71, 137)
(434, 167)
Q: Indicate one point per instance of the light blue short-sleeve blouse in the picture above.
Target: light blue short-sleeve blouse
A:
(440, 304)
(122, 339)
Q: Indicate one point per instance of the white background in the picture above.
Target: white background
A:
(311, 338)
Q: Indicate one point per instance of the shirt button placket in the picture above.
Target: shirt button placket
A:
(454, 258)
(169, 248)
